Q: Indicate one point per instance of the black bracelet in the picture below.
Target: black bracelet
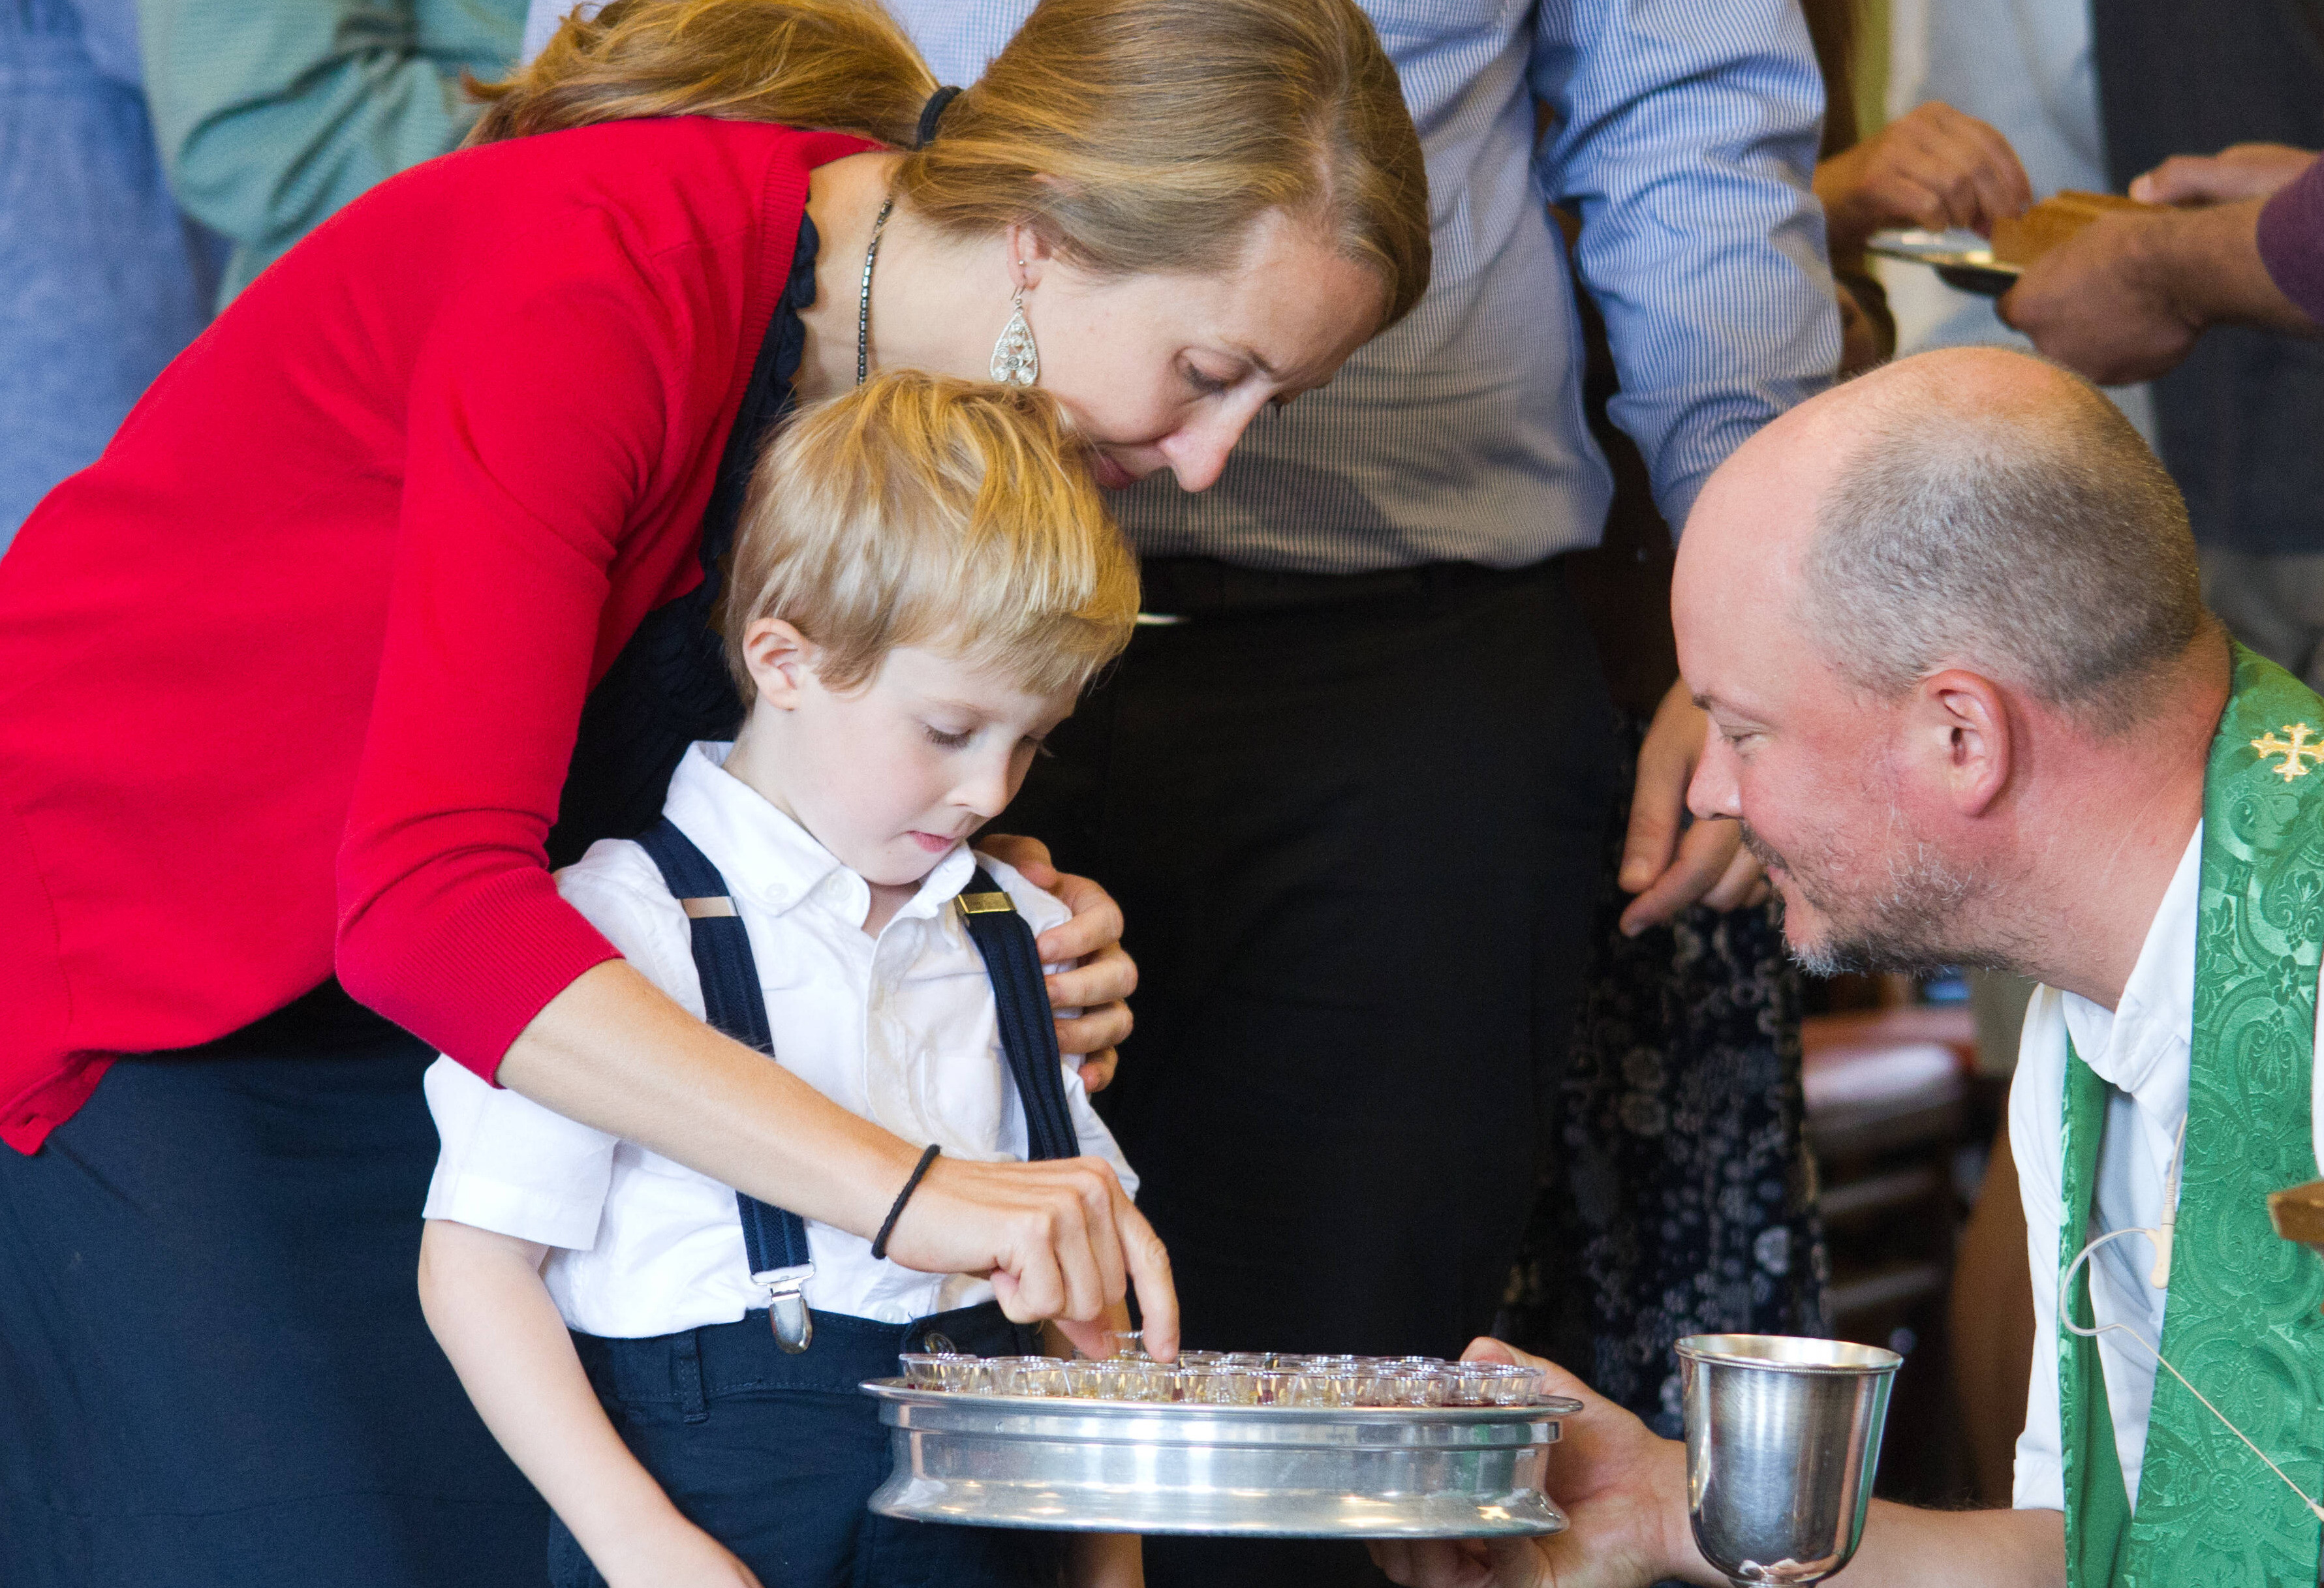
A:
(879, 1242)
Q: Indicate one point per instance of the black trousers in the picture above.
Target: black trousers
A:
(214, 1372)
(1354, 825)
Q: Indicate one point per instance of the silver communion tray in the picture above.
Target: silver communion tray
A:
(1244, 1470)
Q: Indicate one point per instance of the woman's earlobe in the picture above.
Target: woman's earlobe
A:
(1028, 255)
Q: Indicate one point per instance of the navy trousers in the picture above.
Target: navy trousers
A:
(214, 1372)
(774, 1455)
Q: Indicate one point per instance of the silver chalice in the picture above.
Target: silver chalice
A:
(1781, 1437)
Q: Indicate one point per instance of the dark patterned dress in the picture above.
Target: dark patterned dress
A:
(1682, 1198)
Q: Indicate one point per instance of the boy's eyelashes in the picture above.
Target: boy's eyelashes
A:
(944, 739)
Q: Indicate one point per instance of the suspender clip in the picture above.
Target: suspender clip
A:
(992, 903)
(786, 1306)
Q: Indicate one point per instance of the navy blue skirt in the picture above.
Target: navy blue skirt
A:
(213, 1365)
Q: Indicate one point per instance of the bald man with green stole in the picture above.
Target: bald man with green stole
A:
(1946, 625)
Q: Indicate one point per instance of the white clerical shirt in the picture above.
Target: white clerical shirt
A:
(2140, 1049)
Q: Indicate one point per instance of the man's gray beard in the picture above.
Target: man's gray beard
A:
(1914, 926)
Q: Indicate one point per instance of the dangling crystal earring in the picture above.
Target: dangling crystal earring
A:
(1015, 361)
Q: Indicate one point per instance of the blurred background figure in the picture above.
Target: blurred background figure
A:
(260, 117)
(1932, 166)
(102, 280)
(2238, 422)
(2025, 69)
(2115, 95)
(272, 114)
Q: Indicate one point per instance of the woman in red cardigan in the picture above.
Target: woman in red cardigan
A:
(393, 593)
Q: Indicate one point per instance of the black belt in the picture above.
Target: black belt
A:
(1205, 587)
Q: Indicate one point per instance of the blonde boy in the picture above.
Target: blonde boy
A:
(923, 579)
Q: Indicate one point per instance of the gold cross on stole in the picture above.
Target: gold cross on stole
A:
(2300, 743)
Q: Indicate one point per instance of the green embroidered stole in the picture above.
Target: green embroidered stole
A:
(2242, 1319)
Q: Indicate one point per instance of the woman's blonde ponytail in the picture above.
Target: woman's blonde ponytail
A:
(1135, 136)
(843, 65)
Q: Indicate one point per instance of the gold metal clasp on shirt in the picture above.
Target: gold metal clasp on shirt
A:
(985, 904)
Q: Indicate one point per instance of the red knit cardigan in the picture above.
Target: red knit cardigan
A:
(290, 677)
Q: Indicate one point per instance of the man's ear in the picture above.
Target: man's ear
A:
(1960, 721)
(781, 661)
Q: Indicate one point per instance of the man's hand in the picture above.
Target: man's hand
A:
(2110, 302)
(2240, 171)
(2124, 298)
(1102, 975)
(1625, 1494)
(1623, 1489)
(1933, 167)
(1668, 865)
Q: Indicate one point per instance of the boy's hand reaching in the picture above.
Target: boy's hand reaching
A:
(1102, 975)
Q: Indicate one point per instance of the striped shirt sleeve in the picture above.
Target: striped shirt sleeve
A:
(1685, 137)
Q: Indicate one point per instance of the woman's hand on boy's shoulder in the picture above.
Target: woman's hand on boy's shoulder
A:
(1104, 974)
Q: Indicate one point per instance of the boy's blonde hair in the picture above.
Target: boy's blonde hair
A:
(923, 511)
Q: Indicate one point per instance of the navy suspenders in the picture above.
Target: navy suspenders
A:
(734, 1002)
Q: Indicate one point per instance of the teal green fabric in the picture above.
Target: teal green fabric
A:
(2242, 1321)
(272, 114)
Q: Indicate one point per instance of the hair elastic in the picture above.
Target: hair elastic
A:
(932, 112)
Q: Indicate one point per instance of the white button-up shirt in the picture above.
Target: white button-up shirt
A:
(899, 1029)
(2141, 1050)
